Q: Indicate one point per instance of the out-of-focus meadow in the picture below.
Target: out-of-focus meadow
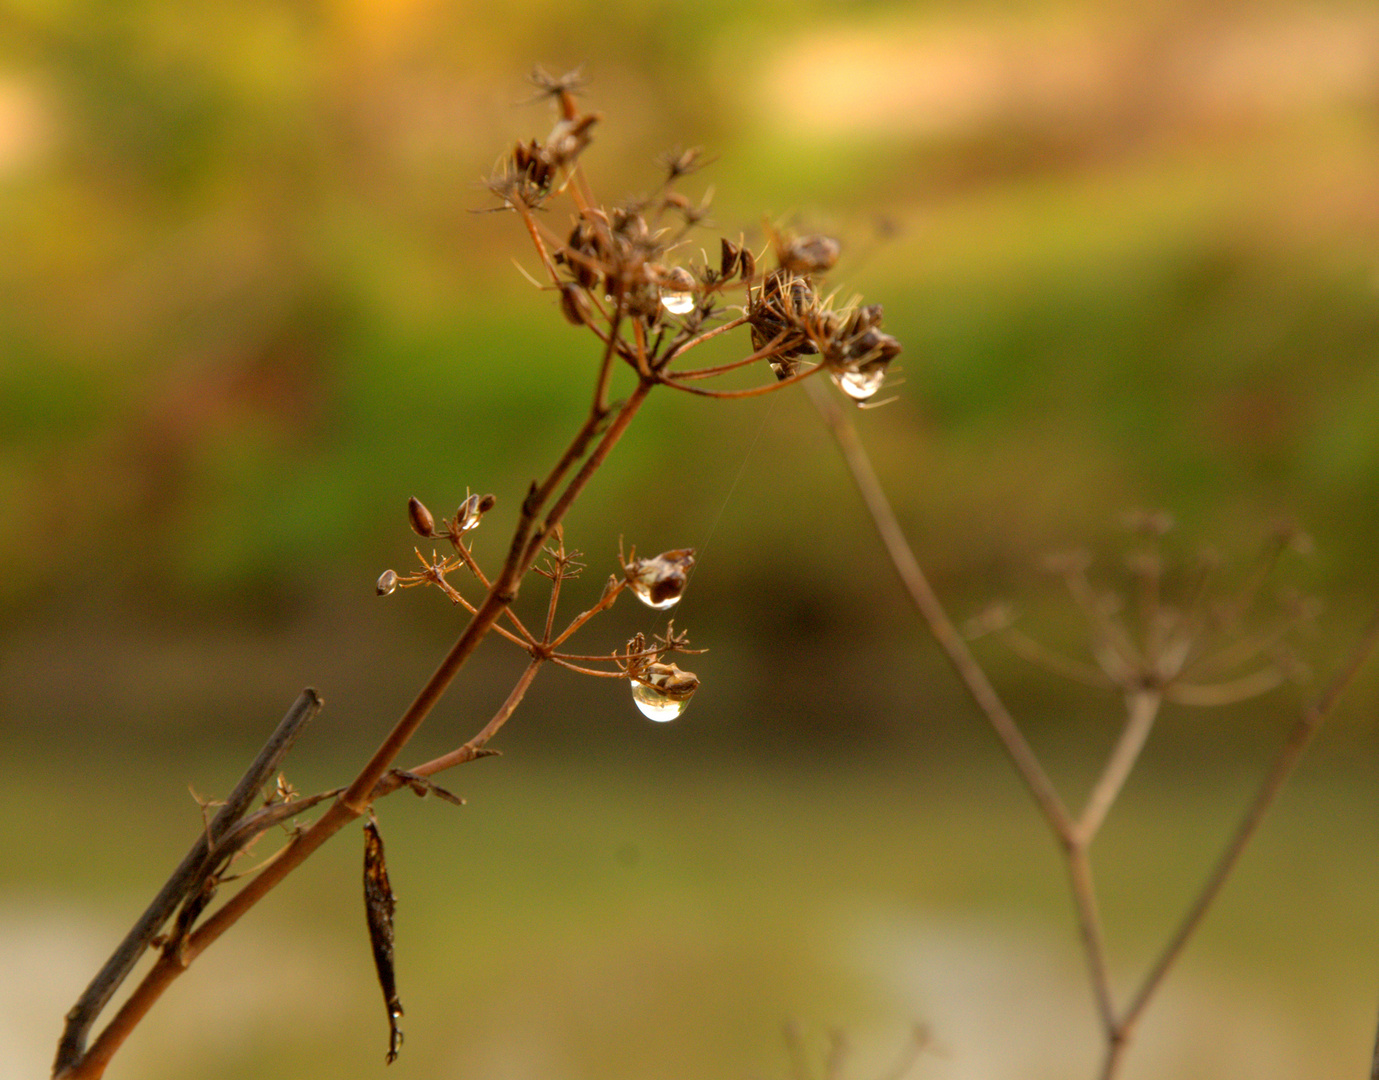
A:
(248, 309)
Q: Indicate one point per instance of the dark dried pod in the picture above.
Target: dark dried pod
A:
(379, 906)
(423, 524)
(749, 265)
(808, 254)
(387, 583)
(574, 304)
(671, 681)
(677, 279)
(487, 503)
(864, 319)
(730, 258)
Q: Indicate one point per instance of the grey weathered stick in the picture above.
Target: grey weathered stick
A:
(187, 875)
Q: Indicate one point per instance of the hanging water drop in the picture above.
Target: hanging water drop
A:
(676, 296)
(662, 691)
(654, 704)
(660, 582)
(860, 385)
(678, 303)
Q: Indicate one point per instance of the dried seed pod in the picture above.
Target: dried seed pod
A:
(574, 304)
(379, 906)
(677, 296)
(749, 264)
(387, 583)
(467, 516)
(730, 258)
(808, 254)
(487, 503)
(423, 524)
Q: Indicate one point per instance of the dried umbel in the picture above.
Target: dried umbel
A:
(780, 313)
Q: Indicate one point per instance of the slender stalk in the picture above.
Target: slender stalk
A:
(1090, 930)
(1143, 707)
(187, 876)
(1299, 738)
(470, 750)
(940, 625)
(754, 391)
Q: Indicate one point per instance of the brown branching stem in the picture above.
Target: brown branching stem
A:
(1075, 837)
(1299, 738)
(526, 545)
(185, 878)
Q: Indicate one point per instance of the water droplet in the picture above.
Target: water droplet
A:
(654, 704)
(387, 583)
(468, 515)
(660, 582)
(860, 385)
(678, 303)
(663, 691)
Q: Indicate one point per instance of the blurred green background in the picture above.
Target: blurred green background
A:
(247, 310)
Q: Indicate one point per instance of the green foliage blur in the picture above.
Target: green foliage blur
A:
(251, 301)
(251, 306)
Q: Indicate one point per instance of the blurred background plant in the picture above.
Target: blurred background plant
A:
(1131, 255)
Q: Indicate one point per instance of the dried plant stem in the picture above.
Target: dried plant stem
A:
(186, 877)
(355, 800)
(1299, 738)
(1143, 707)
(1090, 931)
(470, 750)
(932, 610)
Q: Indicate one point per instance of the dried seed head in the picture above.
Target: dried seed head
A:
(423, 524)
(677, 279)
(678, 163)
(387, 583)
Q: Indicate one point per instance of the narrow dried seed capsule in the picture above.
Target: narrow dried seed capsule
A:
(387, 582)
(730, 257)
(574, 304)
(749, 265)
(423, 524)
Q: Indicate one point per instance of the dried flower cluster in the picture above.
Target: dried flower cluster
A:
(616, 272)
